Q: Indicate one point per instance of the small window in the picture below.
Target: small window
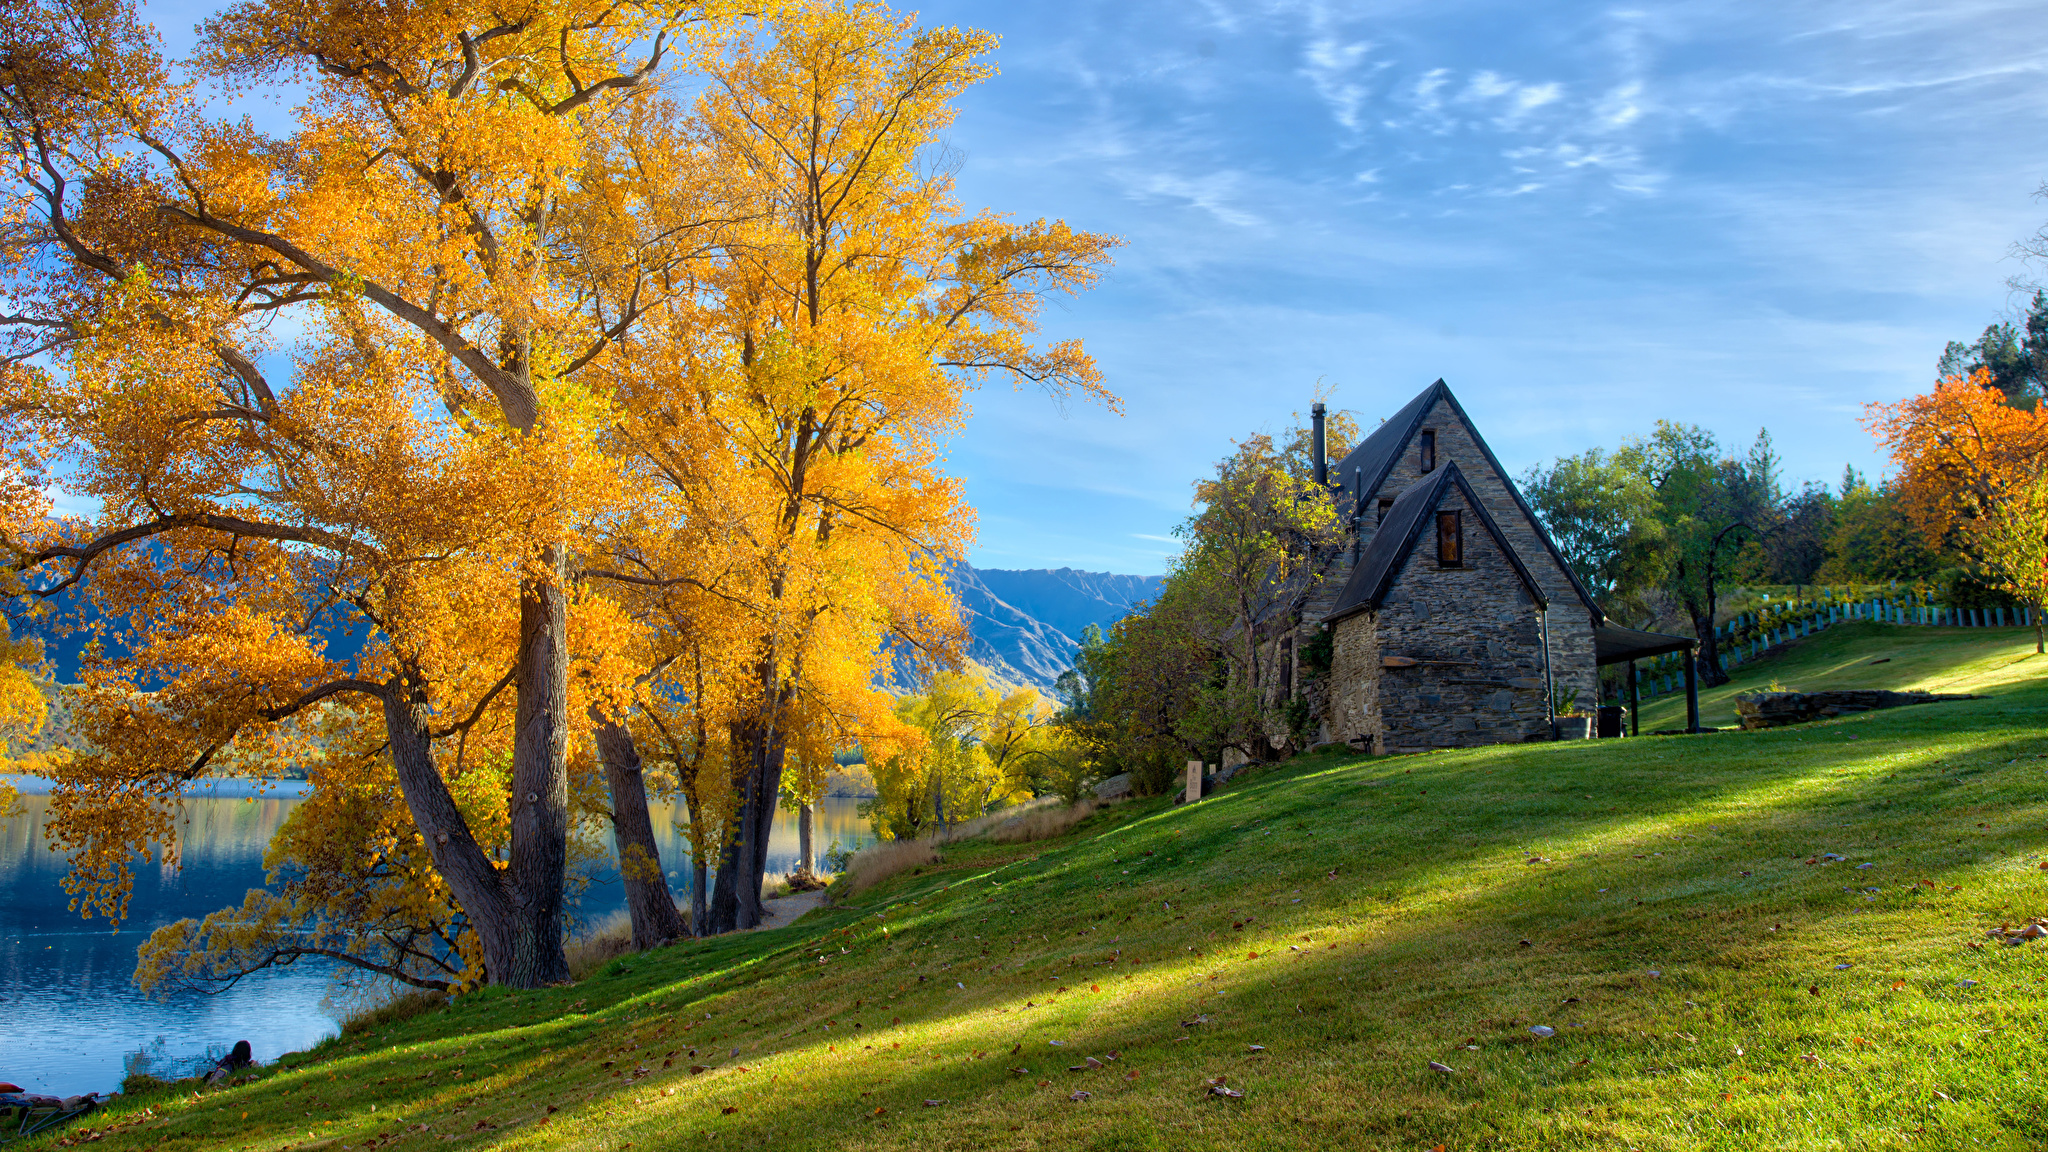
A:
(1384, 505)
(1450, 539)
(1428, 450)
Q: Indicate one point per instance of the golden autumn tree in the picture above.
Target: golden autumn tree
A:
(340, 395)
(839, 339)
(1970, 473)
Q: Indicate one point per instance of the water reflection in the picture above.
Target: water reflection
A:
(69, 1008)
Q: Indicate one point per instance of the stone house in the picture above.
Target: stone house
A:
(1452, 615)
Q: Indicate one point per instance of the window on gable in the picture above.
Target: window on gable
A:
(1450, 539)
(1384, 505)
(1428, 450)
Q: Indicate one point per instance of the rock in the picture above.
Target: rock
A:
(1114, 788)
(1777, 709)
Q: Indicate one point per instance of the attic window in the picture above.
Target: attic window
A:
(1450, 539)
(1384, 505)
(1428, 450)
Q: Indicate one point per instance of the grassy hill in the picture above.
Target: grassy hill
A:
(1315, 935)
(1899, 657)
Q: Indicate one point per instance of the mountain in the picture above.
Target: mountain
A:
(1025, 625)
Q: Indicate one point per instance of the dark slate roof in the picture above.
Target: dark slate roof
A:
(1377, 454)
(1410, 515)
(1613, 644)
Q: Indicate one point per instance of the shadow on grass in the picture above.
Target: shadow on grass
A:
(1429, 902)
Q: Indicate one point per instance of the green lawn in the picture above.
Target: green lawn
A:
(1316, 934)
(1847, 655)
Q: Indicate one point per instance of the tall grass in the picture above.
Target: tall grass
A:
(881, 860)
(601, 943)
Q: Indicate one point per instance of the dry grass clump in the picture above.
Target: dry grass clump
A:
(980, 825)
(403, 1006)
(881, 860)
(600, 944)
(1042, 823)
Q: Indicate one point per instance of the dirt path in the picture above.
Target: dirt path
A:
(778, 913)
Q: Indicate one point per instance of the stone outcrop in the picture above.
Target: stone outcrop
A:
(1777, 709)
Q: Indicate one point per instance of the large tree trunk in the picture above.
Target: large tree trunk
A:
(768, 792)
(648, 900)
(540, 778)
(456, 855)
(700, 907)
(757, 761)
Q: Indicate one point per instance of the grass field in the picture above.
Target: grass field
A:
(1314, 936)
(1845, 656)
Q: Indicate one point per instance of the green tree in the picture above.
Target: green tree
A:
(1603, 515)
(1253, 556)
(1704, 496)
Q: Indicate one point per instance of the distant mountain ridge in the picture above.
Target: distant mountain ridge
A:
(1024, 625)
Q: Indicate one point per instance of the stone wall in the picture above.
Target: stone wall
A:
(1571, 625)
(1476, 631)
(1354, 691)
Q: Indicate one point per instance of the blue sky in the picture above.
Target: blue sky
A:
(1585, 217)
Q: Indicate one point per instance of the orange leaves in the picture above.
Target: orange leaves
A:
(1960, 449)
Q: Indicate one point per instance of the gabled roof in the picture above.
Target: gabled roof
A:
(1374, 575)
(1376, 455)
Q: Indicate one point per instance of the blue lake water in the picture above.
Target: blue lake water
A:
(69, 1008)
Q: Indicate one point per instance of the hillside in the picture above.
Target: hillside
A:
(1860, 655)
(1314, 936)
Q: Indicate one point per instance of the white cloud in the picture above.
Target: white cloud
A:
(1211, 193)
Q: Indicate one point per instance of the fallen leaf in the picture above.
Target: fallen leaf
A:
(1225, 1093)
(1810, 1058)
(1131, 1075)
(1544, 1030)
(1436, 1067)
(933, 1103)
(1898, 985)
(1813, 989)
(730, 1109)
(1079, 1096)
(1258, 1047)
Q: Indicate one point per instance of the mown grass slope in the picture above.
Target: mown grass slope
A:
(1315, 935)
(1899, 657)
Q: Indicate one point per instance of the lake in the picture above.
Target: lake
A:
(69, 1008)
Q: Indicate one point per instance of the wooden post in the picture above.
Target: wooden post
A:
(1194, 789)
(1692, 694)
(1635, 719)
